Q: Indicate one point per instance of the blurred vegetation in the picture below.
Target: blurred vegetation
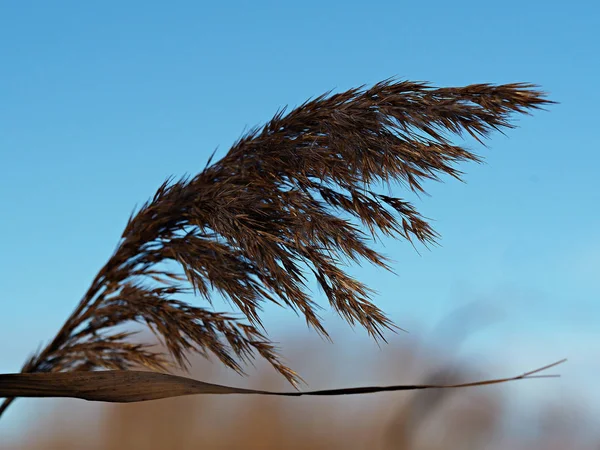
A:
(424, 420)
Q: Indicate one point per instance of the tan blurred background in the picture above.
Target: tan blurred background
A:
(473, 418)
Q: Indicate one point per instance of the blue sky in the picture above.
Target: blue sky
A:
(101, 102)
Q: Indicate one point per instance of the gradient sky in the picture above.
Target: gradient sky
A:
(99, 103)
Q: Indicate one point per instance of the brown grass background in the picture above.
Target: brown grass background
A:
(474, 418)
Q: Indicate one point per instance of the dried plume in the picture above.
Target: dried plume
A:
(245, 224)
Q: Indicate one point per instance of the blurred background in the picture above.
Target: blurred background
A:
(102, 101)
(469, 418)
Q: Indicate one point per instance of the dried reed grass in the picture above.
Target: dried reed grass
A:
(244, 225)
(125, 386)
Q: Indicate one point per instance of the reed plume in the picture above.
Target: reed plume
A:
(244, 226)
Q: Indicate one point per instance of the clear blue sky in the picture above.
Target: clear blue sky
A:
(101, 101)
